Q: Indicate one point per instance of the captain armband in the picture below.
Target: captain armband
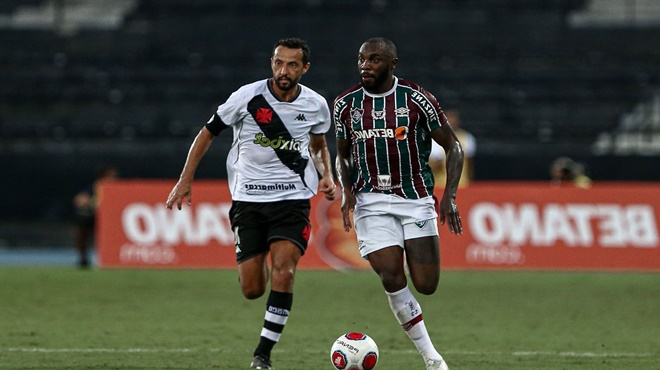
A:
(215, 125)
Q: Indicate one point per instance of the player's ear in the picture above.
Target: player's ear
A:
(306, 67)
(394, 62)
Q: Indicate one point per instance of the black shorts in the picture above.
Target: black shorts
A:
(256, 225)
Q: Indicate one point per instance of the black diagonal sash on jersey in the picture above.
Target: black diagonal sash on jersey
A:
(274, 130)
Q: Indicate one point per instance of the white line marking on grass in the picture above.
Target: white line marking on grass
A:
(580, 354)
(100, 350)
(393, 351)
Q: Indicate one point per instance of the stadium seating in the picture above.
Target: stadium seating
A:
(525, 80)
(515, 60)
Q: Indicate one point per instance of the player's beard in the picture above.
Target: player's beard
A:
(378, 81)
(290, 85)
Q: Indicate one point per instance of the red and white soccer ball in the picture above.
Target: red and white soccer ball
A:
(354, 351)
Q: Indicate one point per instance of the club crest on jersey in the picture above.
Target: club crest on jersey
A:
(356, 115)
(378, 114)
(421, 224)
(402, 112)
(264, 115)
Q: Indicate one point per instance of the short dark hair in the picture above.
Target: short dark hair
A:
(295, 43)
(389, 46)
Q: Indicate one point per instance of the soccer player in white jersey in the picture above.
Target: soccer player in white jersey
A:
(279, 145)
(384, 128)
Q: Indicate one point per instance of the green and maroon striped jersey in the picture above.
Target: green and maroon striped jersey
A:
(390, 135)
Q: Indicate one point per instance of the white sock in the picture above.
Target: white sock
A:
(409, 314)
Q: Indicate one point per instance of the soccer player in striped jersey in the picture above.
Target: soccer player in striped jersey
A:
(279, 151)
(384, 127)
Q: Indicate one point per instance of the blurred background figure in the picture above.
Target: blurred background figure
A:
(84, 204)
(469, 144)
(566, 172)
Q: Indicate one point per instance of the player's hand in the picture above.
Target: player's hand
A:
(328, 187)
(180, 191)
(449, 213)
(347, 206)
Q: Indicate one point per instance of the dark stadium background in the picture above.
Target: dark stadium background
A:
(533, 79)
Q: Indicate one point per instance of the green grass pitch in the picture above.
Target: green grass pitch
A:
(63, 318)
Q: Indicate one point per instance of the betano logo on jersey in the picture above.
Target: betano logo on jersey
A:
(279, 143)
(400, 133)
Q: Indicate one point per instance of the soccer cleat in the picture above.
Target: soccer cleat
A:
(436, 365)
(260, 362)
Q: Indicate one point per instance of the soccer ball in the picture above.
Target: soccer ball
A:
(354, 351)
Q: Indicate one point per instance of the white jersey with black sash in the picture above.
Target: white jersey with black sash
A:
(269, 158)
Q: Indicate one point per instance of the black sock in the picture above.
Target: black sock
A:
(277, 312)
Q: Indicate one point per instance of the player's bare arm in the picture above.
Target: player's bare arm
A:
(446, 137)
(183, 187)
(318, 149)
(344, 165)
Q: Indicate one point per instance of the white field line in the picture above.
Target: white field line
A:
(233, 350)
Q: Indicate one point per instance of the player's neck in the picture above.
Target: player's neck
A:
(284, 95)
(382, 88)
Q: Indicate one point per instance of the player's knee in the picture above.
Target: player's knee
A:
(253, 291)
(426, 289)
(283, 275)
(426, 286)
(393, 282)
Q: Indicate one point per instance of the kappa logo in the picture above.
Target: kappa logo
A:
(421, 224)
(264, 115)
(301, 117)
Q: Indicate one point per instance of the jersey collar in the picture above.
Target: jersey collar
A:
(272, 92)
(386, 93)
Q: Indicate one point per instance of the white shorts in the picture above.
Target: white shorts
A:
(383, 220)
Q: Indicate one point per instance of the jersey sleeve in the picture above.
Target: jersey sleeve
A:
(324, 118)
(338, 109)
(234, 109)
(434, 114)
(437, 152)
